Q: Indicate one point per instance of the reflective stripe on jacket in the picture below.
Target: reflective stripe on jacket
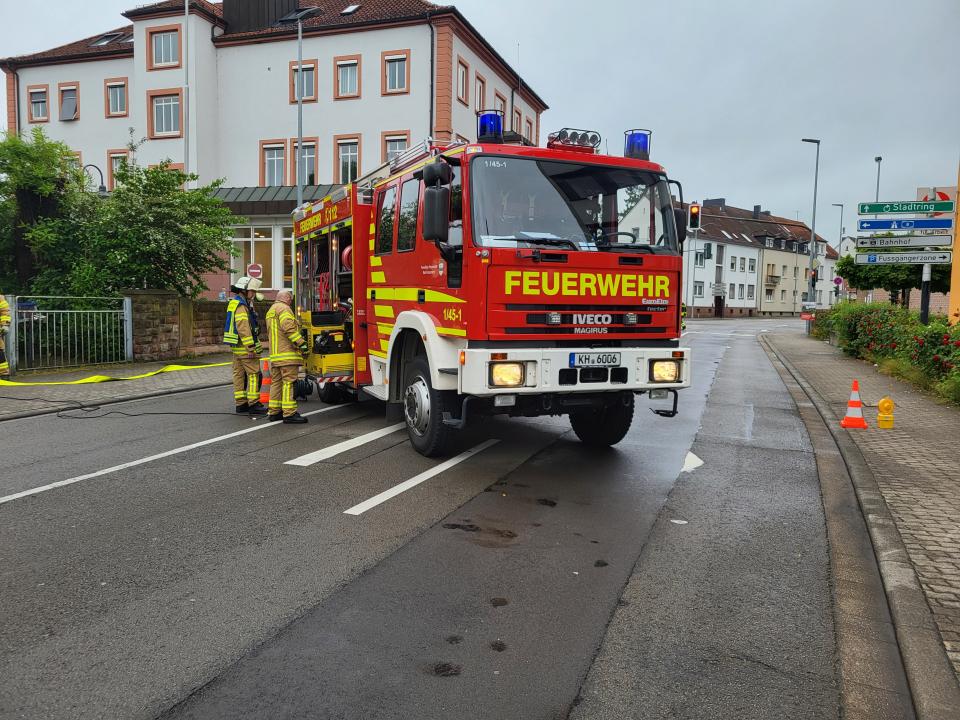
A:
(285, 337)
(241, 329)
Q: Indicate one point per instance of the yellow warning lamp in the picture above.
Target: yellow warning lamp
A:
(885, 413)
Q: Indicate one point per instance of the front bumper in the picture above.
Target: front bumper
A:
(547, 370)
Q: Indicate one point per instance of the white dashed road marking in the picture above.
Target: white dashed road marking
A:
(417, 479)
(341, 447)
(159, 456)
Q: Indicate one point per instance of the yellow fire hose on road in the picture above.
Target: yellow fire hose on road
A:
(108, 378)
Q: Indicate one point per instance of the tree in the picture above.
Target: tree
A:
(35, 175)
(149, 233)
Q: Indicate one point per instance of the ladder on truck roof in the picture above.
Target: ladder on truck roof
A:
(408, 157)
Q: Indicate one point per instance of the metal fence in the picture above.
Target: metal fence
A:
(62, 332)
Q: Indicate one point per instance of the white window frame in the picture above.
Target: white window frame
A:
(46, 104)
(345, 65)
(270, 164)
(341, 145)
(769, 294)
(298, 85)
(743, 264)
(120, 111)
(395, 139)
(697, 288)
(174, 114)
(463, 82)
(753, 265)
(392, 61)
(308, 156)
(172, 48)
(751, 292)
(733, 262)
(698, 259)
(740, 292)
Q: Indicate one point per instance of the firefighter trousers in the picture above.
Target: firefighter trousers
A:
(245, 388)
(4, 363)
(282, 378)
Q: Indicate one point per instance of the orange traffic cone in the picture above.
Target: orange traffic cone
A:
(265, 383)
(854, 416)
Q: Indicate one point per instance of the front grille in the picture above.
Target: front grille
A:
(568, 319)
(554, 330)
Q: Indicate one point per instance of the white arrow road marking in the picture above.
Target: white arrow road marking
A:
(691, 463)
(158, 456)
(341, 447)
(416, 480)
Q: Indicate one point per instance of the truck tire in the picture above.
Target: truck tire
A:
(603, 427)
(330, 394)
(423, 408)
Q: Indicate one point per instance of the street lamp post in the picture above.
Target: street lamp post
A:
(840, 241)
(298, 16)
(812, 284)
(877, 160)
(102, 190)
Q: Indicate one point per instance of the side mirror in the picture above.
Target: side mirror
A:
(437, 172)
(436, 214)
(680, 218)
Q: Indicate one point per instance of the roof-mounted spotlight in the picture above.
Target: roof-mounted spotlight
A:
(637, 144)
(571, 139)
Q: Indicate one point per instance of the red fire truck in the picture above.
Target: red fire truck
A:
(497, 277)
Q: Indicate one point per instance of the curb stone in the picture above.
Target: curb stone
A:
(933, 685)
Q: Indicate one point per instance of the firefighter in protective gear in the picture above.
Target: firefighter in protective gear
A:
(242, 333)
(287, 350)
(4, 325)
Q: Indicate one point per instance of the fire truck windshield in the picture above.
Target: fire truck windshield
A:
(521, 202)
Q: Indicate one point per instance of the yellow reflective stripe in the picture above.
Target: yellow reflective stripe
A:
(378, 277)
(376, 261)
(410, 295)
(384, 345)
(385, 329)
(451, 331)
(384, 311)
(284, 356)
(378, 354)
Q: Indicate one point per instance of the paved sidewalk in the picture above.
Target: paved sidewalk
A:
(35, 399)
(916, 465)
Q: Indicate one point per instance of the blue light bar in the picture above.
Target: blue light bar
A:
(490, 126)
(637, 144)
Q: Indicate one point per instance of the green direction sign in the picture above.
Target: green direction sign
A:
(906, 207)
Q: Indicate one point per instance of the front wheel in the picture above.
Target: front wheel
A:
(423, 408)
(606, 426)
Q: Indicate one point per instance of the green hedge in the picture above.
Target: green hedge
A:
(894, 339)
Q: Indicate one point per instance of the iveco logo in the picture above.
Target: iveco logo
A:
(592, 319)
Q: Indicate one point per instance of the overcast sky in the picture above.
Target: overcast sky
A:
(727, 86)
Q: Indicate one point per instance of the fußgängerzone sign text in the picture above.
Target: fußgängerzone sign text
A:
(905, 207)
(905, 241)
(939, 257)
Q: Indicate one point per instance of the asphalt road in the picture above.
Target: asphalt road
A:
(532, 579)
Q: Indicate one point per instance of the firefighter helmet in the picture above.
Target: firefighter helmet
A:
(246, 283)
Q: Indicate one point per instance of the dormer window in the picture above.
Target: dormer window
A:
(106, 39)
(350, 9)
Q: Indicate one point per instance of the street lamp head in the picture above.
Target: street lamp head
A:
(102, 191)
(877, 159)
(298, 16)
(810, 140)
(839, 205)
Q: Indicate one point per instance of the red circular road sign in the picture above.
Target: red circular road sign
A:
(254, 270)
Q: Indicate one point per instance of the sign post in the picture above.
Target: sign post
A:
(954, 308)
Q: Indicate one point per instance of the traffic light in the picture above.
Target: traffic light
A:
(693, 216)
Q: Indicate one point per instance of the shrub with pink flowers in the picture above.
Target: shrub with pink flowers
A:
(894, 338)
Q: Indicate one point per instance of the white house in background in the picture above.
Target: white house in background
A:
(745, 263)
(221, 85)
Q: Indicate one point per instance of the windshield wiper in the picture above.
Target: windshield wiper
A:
(552, 242)
(627, 246)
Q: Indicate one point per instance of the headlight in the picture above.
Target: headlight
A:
(664, 371)
(506, 374)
